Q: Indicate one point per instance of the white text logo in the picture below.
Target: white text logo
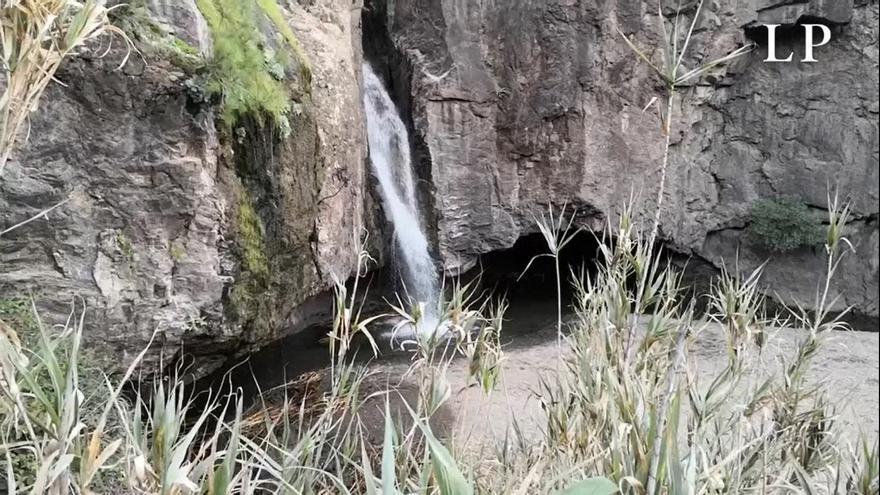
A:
(810, 43)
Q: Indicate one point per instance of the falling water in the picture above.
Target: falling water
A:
(392, 165)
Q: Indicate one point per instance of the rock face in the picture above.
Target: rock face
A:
(523, 103)
(160, 203)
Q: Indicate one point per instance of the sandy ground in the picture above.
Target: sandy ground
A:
(847, 365)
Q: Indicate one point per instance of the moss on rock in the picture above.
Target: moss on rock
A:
(250, 238)
(248, 293)
(273, 12)
(153, 39)
(261, 75)
(245, 68)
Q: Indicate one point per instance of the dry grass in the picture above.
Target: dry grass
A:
(35, 37)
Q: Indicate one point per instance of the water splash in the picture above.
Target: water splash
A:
(392, 165)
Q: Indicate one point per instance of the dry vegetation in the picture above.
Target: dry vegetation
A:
(35, 37)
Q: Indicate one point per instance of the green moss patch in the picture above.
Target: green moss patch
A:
(177, 252)
(243, 70)
(153, 39)
(273, 12)
(250, 239)
(248, 68)
(125, 246)
(248, 293)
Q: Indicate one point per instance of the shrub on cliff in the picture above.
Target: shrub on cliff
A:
(783, 225)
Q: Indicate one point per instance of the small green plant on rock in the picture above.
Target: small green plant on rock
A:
(15, 312)
(177, 251)
(155, 40)
(239, 71)
(783, 225)
(125, 246)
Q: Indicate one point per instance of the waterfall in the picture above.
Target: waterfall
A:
(392, 165)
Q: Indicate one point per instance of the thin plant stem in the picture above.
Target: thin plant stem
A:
(558, 307)
(655, 226)
(667, 129)
(35, 217)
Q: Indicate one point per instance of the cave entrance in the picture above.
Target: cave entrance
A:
(504, 273)
(531, 296)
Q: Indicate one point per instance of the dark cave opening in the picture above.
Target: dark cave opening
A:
(504, 272)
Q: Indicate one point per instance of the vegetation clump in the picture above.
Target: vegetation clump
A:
(247, 69)
(244, 69)
(125, 246)
(177, 251)
(783, 225)
(154, 39)
(271, 9)
(16, 313)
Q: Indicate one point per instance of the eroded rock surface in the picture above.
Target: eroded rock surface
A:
(523, 103)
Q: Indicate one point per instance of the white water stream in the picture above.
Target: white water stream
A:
(392, 165)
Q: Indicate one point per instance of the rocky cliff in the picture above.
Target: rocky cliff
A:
(214, 231)
(520, 103)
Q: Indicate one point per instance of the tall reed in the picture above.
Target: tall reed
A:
(673, 74)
